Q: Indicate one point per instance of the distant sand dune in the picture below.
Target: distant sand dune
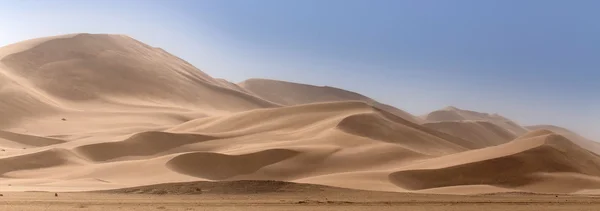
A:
(479, 133)
(455, 114)
(287, 93)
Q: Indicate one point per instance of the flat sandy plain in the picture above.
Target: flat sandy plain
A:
(87, 201)
(284, 196)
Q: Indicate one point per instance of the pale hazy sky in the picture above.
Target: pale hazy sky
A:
(535, 61)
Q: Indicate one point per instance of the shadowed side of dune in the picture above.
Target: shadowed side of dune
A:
(555, 155)
(28, 140)
(141, 144)
(18, 104)
(450, 138)
(584, 142)
(38, 160)
(230, 187)
(215, 166)
(377, 127)
(273, 119)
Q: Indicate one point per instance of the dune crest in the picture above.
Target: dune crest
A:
(527, 164)
(451, 114)
(216, 166)
(479, 133)
(98, 72)
(578, 139)
(288, 93)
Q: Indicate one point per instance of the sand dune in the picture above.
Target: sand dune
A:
(216, 166)
(19, 104)
(15, 140)
(112, 72)
(582, 141)
(138, 145)
(38, 160)
(479, 133)
(92, 112)
(455, 114)
(288, 93)
(376, 127)
(527, 163)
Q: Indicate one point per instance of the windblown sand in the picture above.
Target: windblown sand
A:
(90, 112)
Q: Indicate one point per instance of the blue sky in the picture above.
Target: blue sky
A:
(535, 61)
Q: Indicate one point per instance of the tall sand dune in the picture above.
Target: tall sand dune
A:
(94, 72)
(85, 112)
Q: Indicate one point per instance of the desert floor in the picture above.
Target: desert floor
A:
(374, 201)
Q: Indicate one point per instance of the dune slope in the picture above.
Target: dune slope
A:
(578, 139)
(450, 114)
(528, 163)
(479, 133)
(288, 93)
(86, 112)
(97, 72)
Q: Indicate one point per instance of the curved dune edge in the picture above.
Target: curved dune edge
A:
(39, 160)
(528, 169)
(215, 166)
(453, 114)
(110, 68)
(272, 119)
(16, 140)
(529, 163)
(142, 144)
(479, 134)
(289, 93)
(375, 126)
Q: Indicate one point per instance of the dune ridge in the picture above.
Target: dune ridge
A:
(452, 113)
(479, 133)
(16, 140)
(522, 164)
(90, 112)
(289, 93)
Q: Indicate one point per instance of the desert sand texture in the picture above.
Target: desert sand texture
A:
(276, 195)
(91, 112)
